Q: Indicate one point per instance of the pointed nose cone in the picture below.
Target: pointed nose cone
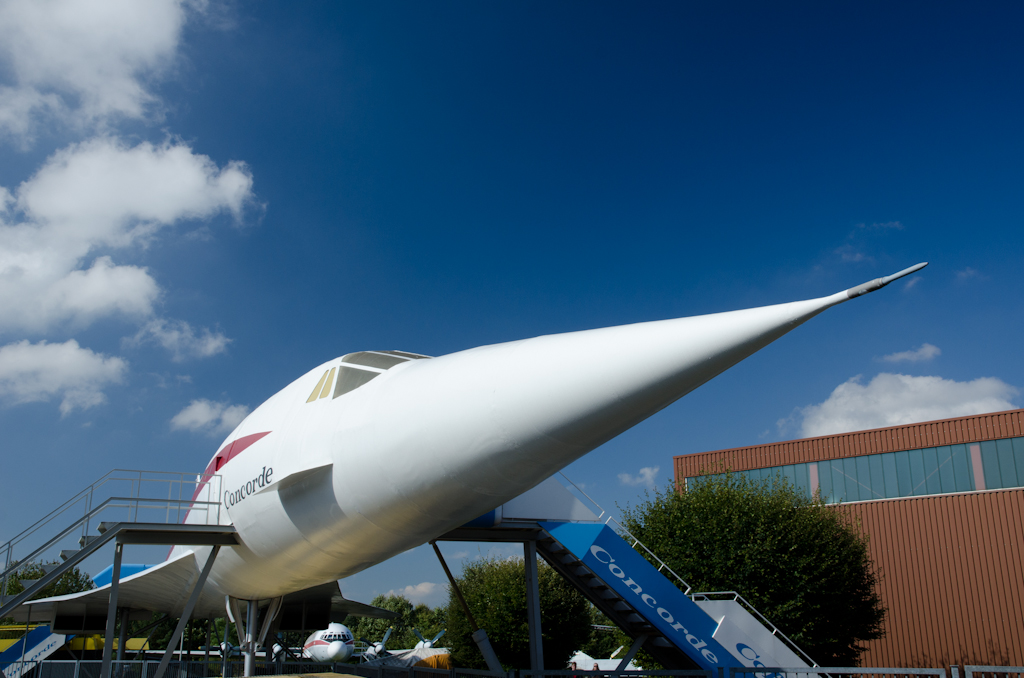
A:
(512, 414)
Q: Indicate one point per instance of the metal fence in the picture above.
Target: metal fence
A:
(216, 669)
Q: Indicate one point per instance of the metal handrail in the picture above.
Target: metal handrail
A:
(627, 536)
(137, 481)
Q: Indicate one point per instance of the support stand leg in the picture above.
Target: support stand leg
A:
(633, 649)
(249, 648)
(108, 638)
(479, 635)
(122, 633)
(533, 606)
(186, 613)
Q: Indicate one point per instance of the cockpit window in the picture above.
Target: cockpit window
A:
(351, 378)
(357, 369)
(374, 359)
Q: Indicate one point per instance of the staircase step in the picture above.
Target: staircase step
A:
(25, 583)
(87, 539)
(49, 567)
(104, 526)
(67, 553)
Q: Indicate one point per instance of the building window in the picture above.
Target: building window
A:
(992, 464)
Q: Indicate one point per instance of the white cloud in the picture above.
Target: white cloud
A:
(459, 555)
(101, 195)
(424, 592)
(923, 352)
(850, 253)
(645, 477)
(39, 372)
(84, 63)
(206, 416)
(178, 337)
(966, 274)
(894, 399)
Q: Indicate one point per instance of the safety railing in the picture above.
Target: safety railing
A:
(119, 496)
(214, 668)
(664, 569)
(975, 671)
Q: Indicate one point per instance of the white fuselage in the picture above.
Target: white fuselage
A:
(329, 482)
(333, 644)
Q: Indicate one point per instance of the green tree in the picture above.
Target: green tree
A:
(801, 563)
(374, 629)
(72, 581)
(495, 591)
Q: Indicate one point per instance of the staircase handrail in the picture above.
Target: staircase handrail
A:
(634, 542)
(110, 502)
(105, 478)
(776, 631)
(136, 478)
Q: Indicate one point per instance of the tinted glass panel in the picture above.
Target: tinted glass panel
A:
(947, 481)
(861, 476)
(892, 487)
(800, 479)
(383, 362)
(839, 488)
(825, 481)
(350, 379)
(931, 471)
(962, 468)
(916, 458)
(903, 474)
(1018, 457)
(1007, 467)
(990, 464)
(406, 354)
(877, 484)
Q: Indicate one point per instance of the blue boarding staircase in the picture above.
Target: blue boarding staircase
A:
(679, 628)
(35, 646)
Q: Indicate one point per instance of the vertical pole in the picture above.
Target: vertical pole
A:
(225, 650)
(533, 606)
(108, 638)
(122, 633)
(250, 639)
(186, 613)
(209, 635)
(24, 641)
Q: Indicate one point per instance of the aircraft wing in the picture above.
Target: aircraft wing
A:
(315, 607)
(161, 588)
(166, 587)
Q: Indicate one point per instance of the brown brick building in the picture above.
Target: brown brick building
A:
(943, 505)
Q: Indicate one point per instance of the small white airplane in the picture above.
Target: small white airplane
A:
(333, 644)
(451, 438)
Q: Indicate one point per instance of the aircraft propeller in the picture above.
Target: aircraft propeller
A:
(424, 643)
(375, 650)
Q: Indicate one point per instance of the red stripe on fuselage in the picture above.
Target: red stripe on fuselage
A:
(227, 453)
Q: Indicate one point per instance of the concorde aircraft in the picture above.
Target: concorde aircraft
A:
(450, 438)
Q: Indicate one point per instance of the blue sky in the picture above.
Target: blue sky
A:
(202, 201)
